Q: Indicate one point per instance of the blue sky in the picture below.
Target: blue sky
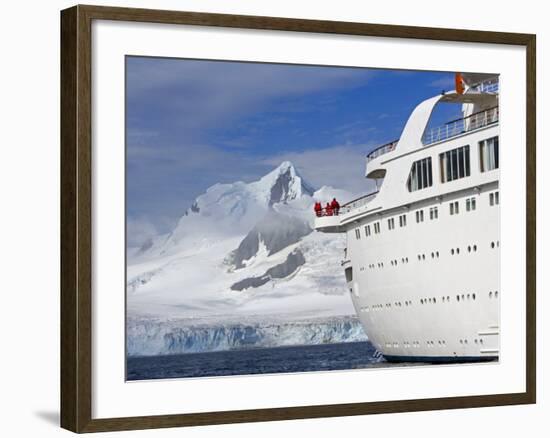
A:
(191, 124)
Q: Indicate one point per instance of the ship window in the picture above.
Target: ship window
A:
(367, 230)
(455, 164)
(403, 220)
(488, 154)
(420, 216)
(433, 213)
(349, 274)
(420, 175)
(493, 199)
(391, 224)
(377, 227)
(357, 233)
(470, 204)
(453, 207)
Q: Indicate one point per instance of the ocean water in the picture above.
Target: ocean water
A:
(343, 356)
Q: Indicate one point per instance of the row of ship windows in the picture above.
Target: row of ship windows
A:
(454, 209)
(430, 344)
(423, 301)
(434, 255)
(453, 165)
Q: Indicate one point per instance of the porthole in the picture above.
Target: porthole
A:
(475, 248)
(423, 256)
(468, 296)
(496, 294)
(458, 297)
(458, 250)
(462, 297)
(469, 248)
(490, 294)
(473, 297)
(437, 254)
(452, 251)
(432, 255)
(492, 244)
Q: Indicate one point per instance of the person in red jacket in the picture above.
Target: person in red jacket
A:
(335, 206)
(318, 209)
(328, 210)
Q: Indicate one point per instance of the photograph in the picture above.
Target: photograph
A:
(290, 218)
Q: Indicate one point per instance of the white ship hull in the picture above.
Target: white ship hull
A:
(430, 290)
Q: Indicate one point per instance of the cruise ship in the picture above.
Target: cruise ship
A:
(423, 251)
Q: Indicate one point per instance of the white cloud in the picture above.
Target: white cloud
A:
(203, 94)
(139, 230)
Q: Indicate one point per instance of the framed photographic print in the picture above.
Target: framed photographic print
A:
(305, 218)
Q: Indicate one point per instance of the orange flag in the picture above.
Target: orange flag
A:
(459, 83)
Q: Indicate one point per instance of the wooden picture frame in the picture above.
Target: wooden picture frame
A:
(76, 217)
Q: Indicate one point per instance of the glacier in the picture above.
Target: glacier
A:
(150, 337)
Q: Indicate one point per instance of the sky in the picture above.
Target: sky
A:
(194, 123)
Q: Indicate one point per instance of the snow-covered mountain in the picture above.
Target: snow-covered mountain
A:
(245, 251)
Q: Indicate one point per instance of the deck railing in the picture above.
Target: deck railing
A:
(359, 202)
(381, 150)
(487, 87)
(461, 126)
(347, 207)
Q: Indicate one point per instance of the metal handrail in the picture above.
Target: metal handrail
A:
(461, 126)
(487, 87)
(347, 207)
(358, 202)
(381, 150)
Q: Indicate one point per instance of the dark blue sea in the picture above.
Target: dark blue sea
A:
(352, 355)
